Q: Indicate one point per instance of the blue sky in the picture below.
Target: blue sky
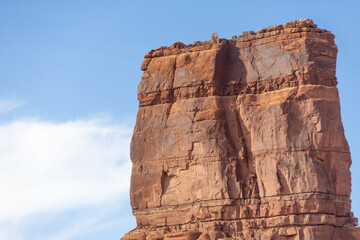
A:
(68, 79)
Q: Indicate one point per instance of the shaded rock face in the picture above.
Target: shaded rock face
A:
(242, 139)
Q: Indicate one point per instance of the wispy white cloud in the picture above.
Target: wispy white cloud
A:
(9, 231)
(87, 225)
(51, 167)
(76, 229)
(8, 104)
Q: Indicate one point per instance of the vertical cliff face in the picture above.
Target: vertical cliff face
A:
(242, 139)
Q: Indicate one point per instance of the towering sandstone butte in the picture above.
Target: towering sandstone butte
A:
(242, 139)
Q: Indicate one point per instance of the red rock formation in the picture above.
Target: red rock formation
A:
(242, 139)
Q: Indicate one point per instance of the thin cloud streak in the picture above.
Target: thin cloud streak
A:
(9, 104)
(86, 225)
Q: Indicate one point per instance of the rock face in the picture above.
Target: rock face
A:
(242, 139)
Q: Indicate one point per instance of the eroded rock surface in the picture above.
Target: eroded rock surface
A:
(242, 139)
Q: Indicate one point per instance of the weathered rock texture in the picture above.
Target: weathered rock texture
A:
(242, 139)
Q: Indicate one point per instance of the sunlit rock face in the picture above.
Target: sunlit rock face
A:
(242, 139)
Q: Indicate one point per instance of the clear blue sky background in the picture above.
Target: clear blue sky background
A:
(65, 63)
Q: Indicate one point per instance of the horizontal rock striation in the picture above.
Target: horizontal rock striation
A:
(242, 139)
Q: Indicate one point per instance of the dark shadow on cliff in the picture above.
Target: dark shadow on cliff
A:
(230, 71)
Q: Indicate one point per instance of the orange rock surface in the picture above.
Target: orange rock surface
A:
(242, 139)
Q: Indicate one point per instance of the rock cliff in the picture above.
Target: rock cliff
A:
(242, 139)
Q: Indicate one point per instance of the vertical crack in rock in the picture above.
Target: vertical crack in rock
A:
(242, 139)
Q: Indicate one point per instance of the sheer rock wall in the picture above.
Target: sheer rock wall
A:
(242, 139)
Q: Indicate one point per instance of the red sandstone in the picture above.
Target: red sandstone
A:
(242, 139)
